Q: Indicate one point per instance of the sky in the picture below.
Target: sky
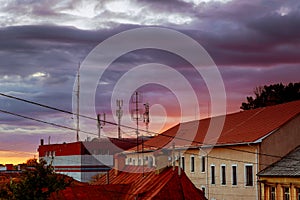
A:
(42, 42)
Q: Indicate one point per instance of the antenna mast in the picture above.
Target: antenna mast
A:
(119, 113)
(146, 119)
(77, 95)
(135, 114)
(101, 123)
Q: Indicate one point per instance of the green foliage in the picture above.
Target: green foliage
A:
(272, 95)
(37, 182)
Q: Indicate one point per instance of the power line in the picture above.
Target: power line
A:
(45, 122)
(115, 124)
(68, 112)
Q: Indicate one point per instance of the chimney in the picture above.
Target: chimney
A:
(161, 160)
(119, 162)
(42, 142)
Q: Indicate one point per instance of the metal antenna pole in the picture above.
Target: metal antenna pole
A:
(146, 121)
(119, 113)
(77, 94)
(135, 114)
(100, 123)
(137, 122)
(98, 126)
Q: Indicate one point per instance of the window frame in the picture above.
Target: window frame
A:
(203, 164)
(223, 174)
(251, 183)
(213, 174)
(271, 193)
(286, 193)
(234, 177)
(203, 188)
(192, 164)
(182, 163)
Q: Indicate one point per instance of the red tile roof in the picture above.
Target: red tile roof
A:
(241, 127)
(130, 185)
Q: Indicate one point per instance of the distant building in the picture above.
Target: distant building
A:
(249, 142)
(83, 160)
(7, 167)
(281, 180)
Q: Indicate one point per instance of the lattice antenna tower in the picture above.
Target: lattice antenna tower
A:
(136, 114)
(119, 113)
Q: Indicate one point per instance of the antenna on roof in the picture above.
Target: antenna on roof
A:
(136, 116)
(100, 123)
(77, 100)
(119, 113)
(146, 121)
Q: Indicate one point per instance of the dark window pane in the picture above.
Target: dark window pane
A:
(249, 176)
(192, 164)
(213, 178)
(234, 176)
(203, 164)
(223, 173)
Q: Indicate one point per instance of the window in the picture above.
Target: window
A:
(203, 190)
(133, 161)
(249, 175)
(192, 163)
(213, 175)
(286, 194)
(203, 164)
(272, 193)
(223, 175)
(182, 163)
(234, 175)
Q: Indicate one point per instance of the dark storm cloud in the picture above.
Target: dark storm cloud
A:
(249, 33)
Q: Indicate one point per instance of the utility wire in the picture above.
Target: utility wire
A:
(112, 123)
(69, 112)
(69, 128)
(45, 122)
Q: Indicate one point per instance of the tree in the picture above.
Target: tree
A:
(271, 95)
(38, 182)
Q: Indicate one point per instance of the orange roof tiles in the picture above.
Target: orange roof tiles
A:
(131, 185)
(241, 127)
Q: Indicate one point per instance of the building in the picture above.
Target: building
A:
(249, 142)
(83, 160)
(7, 167)
(128, 182)
(281, 180)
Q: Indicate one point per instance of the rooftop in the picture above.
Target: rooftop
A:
(242, 127)
(130, 185)
(288, 166)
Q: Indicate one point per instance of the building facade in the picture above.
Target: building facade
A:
(249, 142)
(281, 180)
(83, 160)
